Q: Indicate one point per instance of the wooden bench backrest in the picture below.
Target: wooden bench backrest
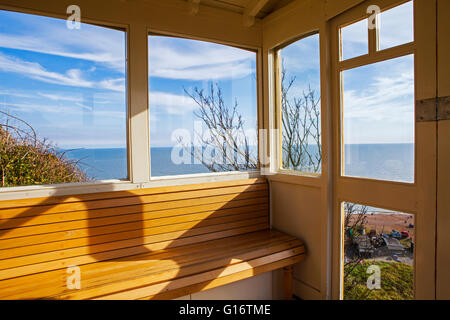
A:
(43, 234)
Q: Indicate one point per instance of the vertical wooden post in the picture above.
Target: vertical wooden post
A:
(287, 282)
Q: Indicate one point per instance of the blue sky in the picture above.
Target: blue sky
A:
(302, 60)
(70, 84)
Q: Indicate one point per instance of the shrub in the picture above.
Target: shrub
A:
(26, 160)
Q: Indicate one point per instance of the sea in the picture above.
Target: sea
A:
(376, 161)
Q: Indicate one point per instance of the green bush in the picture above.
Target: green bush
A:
(26, 161)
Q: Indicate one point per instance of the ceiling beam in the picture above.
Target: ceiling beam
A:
(251, 11)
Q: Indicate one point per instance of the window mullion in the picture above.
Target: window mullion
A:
(374, 36)
(138, 104)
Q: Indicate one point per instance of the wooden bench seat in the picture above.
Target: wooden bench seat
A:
(157, 243)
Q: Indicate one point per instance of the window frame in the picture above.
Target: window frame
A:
(107, 182)
(374, 55)
(259, 113)
(277, 157)
(416, 198)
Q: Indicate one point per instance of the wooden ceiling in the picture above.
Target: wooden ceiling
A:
(255, 8)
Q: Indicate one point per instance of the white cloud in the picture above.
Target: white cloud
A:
(397, 25)
(302, 56)
(91, 43)
(60, 97)
(386, 98)
(72, 77)
(69, 109)
(16, 94)
(113, 84)
(198, 61)
(382, 112)
(35, 71)
(172, 103)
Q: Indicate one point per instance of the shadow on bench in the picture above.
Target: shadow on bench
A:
(156, 243)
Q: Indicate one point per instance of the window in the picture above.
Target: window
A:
(374, 123)
(397, 26)
(62, 101)
(378, 104)
(378, 109)
(203, 107)
(300, 106)
(354, 40)
(378, 251)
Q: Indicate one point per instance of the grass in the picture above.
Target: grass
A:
(397, 282)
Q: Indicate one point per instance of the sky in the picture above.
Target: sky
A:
(178, 66)
(70, 85)
(301, 61)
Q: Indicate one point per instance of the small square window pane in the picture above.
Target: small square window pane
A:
(354, 40)
(397, 26)
(378, 113)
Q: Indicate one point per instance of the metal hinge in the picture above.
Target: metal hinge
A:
(434, 109)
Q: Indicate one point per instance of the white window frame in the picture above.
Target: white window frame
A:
(277, 157)
(211, 175)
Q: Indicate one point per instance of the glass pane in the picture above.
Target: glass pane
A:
(397, 26)
(355, 40)
(203, 107)
(378, 113)
(378, 254)
(300, 86)
(62, 101)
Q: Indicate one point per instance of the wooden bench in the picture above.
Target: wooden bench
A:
(156, 243)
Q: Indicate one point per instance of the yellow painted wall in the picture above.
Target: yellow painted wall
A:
(296, 211)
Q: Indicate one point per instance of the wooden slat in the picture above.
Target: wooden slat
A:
(121, 194)
(89, 249)
(113, 212)
(142, 220)
(45, 208)
(137, 228)
(158, 220)
(79, 260)
(121, 236)
(64, 239)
